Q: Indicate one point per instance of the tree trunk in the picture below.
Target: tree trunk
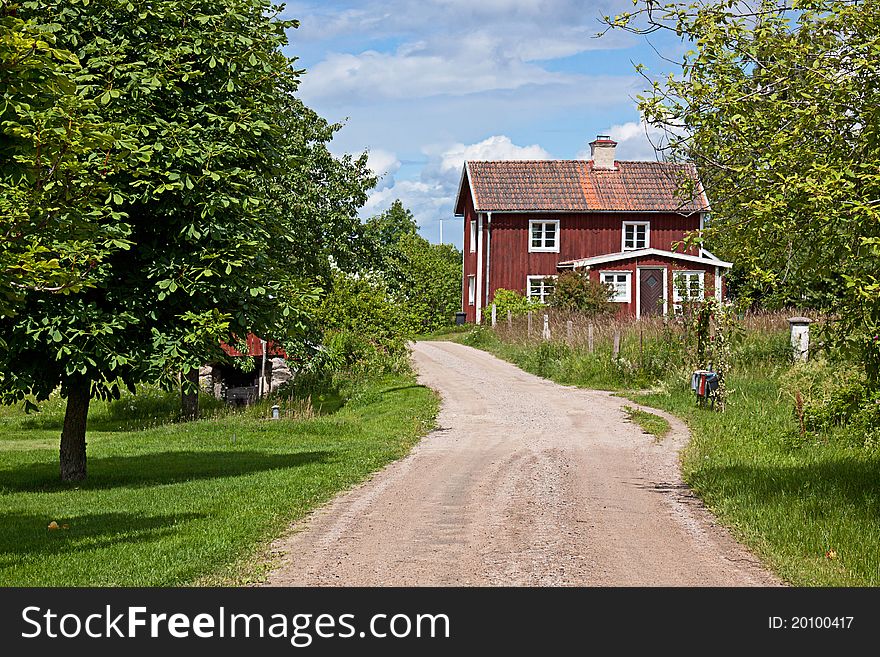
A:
(189, 395)
(73, 434)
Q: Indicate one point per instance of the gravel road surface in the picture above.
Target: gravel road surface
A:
(525, 482)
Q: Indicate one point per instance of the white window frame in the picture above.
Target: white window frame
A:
(473, 240)
(646, 224)
(676, 296)
(472, 289)
(628, 275)
(544, 294)
(543, 248)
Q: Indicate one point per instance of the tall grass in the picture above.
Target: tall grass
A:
(649, 350)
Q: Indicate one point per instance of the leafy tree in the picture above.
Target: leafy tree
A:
(364, 328)
(778, 104)
(216, 253)
(386, 229)
(575, 291)
(55, 151)
(425, 279)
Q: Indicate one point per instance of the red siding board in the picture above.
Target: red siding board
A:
(581, 235)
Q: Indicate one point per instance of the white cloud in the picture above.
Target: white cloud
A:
(431, 197)
(417, 71)
(497, 147)
(383, 163)
(636, 140)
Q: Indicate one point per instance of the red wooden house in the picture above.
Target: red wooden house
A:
(525, 221)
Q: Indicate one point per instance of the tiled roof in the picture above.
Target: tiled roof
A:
(573, 185)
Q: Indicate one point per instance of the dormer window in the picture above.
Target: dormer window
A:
(636, 235)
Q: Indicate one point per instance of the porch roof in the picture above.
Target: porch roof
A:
(705, 258)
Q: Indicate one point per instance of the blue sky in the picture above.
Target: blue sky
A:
(424, 85)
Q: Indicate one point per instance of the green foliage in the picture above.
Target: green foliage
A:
(386, 229)
(512, 301)
(715, 327)
(58, 219)
(778, 107)
(833, 400)
(364, 329)
(425, 279)
(232, 210)
(575, 291)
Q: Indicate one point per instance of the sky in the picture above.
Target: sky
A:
(424, 85)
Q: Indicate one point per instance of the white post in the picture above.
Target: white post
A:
(493, 315)
(546, 332)
(263, 370)
(590, 337)
(529, 322)
(800, 337)
(509, 319)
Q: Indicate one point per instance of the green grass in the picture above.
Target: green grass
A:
(792, 501)
(649, 422)
(185, 503)
(809, 508)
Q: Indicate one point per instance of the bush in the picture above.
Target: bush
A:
(364, 330)
(575, 291)
(832, 399)
(511, 301)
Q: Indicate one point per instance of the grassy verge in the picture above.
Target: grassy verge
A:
(183, 503)
(649, 422)
(810, 508)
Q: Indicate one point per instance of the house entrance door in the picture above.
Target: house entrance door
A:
(651, 293)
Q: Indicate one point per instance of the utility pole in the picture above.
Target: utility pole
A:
(441, 231)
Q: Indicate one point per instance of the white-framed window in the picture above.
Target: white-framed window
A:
(620, 282)
(687, 286)
(472, 290)
(544, 236)
(539, 288)
(636, 235)
(473, 240)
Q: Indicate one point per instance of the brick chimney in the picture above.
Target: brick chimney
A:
(602, 152)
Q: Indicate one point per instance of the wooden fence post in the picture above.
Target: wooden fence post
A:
(493, 315)
(590, 337)
(509, 319)
(616, 343)
(546, 332)
(529, 324)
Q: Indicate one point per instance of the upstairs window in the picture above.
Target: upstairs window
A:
(544, 236)
(636, 235)
(619, 281)
(473, 240)
(687, 286)
(540, 288)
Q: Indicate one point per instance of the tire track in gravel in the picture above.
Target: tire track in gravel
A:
(524, 483)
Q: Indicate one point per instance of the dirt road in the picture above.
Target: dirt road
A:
(525, 482)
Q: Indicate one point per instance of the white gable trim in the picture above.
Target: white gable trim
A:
(642, 253)
(465, 173)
